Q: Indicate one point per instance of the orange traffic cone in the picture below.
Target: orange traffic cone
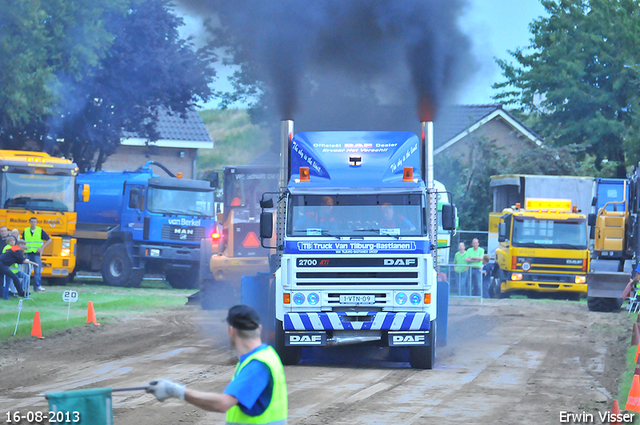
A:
(35, 329)
(635, 336)
(637, 352)
(615, 411)
(633, 401)
(91, 314)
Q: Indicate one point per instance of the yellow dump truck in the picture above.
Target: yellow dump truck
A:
(34, 184)
(543, 248)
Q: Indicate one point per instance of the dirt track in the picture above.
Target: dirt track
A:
(508, 362)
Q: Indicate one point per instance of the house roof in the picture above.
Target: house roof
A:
(455, 122)
(176, 132)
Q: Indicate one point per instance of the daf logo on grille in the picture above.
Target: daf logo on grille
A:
(575, 262)
(53, 223)
(399, 261)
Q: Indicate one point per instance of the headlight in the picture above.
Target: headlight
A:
(581, 279)
(313, 298)
(516, 276)
(298, 298)
(401, 298)
(65, 252)
(415, 298)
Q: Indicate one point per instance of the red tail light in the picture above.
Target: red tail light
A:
(215, 235)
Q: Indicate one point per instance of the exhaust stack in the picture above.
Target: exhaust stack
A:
(286, 131)
(426, 165)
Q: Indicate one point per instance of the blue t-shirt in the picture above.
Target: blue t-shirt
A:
(252, 386)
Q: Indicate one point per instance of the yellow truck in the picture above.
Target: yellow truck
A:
(542, 242)
(35, 184)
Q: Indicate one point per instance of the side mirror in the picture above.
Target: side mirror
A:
(266, 203)
(591, 219)
(592, 232)
(266, 225)
(594, 201)
(84, 193)
(502, 232)
(212, 177)
(448, 217)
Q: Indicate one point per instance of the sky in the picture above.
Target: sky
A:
(494, 26)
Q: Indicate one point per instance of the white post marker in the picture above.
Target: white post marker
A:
(69, 296)
(18, 321)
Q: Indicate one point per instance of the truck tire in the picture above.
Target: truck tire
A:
(425, 357)
(117, 269)
(179, 279)
(502, 294)
(72, 276)
(288, 355)
(604, 304)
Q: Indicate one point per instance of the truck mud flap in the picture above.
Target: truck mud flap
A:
(408, 338)
(606, 284)
(305, 339)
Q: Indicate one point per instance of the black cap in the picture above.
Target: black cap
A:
(243, 317)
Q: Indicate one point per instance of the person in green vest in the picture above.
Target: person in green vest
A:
(24, 278)
(462, 270)
(473, 258)
(257, 393)
(37, 240)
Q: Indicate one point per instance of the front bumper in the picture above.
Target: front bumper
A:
(401, 321)
(523, 285)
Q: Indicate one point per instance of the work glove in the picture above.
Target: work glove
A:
(164, 389)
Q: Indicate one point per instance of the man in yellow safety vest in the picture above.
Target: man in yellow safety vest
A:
(257, 393)
(37, 240)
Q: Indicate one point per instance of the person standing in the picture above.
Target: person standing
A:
(461, 270)
(14, 255)
(37, 240)
(257, 393)
(487, 275)
(474, 259)
(4, 234)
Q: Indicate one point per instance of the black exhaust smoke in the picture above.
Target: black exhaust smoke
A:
(325, 58)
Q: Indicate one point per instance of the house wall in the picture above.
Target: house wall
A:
(509, 140)
(132, 157)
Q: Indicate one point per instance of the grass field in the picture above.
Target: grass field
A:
(108, 302)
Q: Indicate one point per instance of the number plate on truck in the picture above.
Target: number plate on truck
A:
(357, 299)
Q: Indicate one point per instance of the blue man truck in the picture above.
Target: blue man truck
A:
(356, 236)
(136, 222)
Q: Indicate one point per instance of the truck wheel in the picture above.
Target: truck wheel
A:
(425, 357)
(183, 279)
(288, 355)
(117, 269)
(72, 276)
(604, 304)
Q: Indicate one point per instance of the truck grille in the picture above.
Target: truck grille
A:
(356, 271)
(179, 233)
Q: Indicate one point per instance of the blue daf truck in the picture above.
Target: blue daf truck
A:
(136, 222)
(355, 243)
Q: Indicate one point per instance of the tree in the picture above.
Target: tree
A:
(113, 82)
(580, 77)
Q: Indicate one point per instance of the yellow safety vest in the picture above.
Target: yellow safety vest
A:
(277, 411)
(33, 241)
(14, 267)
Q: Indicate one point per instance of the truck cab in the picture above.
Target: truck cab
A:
(355, 255)
(140, 223)
(543, 248)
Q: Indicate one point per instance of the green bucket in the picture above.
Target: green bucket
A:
(81, 407)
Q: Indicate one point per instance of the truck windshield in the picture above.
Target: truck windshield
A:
(567, 234)
(355, 215)
(180, 202)
(38, 192)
